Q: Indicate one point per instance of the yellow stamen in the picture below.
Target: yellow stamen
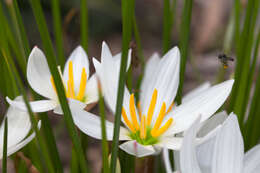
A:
(143, 128)
(159, 119)
(151, 107)
(170, 108)
(132, 112)
(71, 93)
(139, 109)
(53, 84)
(70, 90)
(128, 123)
(225, 66)
(83, 83)
(163, 128)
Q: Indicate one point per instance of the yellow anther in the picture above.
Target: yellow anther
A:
(83, 83)
(128, 123)
(139, 109)
(133, 112)
(170, 108)
(53, 84)
(143, 128)
(151, 107)
(159, 119)
(71, 93)
(162, 129)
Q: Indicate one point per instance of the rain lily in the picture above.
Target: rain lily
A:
(224, 153)
(19, 126)
(153, 122)
(77, 84)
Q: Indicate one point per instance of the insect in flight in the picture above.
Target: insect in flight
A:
(224, 59)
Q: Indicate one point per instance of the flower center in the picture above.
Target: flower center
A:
(70, 91)
(145, 132)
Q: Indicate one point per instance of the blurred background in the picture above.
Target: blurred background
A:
(210, 21)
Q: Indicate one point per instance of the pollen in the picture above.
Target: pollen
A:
(142, 128)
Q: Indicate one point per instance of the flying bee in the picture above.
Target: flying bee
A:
(224, 59)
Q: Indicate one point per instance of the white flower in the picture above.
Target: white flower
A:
(153, 122)
(19, 126)
(224, 153)
(77, 84)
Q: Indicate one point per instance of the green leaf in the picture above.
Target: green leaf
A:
(38, 13)
(4, 161)
(184, 43)
(127, 14)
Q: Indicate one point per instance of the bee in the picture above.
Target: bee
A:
(224, 59)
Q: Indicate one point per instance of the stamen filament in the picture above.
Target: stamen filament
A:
(71, 93)
(151, 107)
(159, 118)
(139, 109)
(83, 83)
(163, 128)
(128, 123)
(53, 84)
(143, 128)
(70, 90)
(133, 112)
(170, 108)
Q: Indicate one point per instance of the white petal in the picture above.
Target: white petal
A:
(12, 149)
(36, 106)
(229, 148)
(106, 53)
(172, 143)
(204, 154)
(92, 90)
(109, 76)
(117, 58)
(79, 60)
(252, 160)
(212, 123)
(90, 124)
(205, 104)
(136, 149)
(18, 125)
(58, 110)
(188, 159)
(39, 75)
(195, 92)
(149, 71)
(176, 156)
(167, 162)
(165, 80)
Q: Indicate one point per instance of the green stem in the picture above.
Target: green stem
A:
(127, 14)
(104, 137)
(4, 161)
(84, 24)
(58, 32)
(38, 13)
(184, 43)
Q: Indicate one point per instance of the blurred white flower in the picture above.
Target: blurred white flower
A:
(19, 126)
(153, 122)
(224, 153)
(77, 84)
